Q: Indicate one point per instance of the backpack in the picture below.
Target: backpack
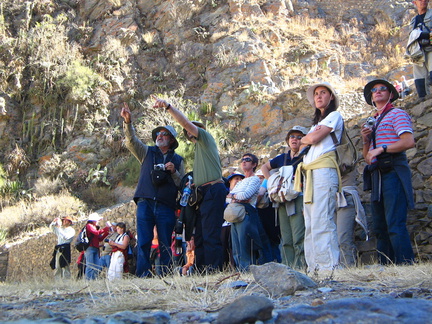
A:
(346, 153)
(82, 242)
(280, 185)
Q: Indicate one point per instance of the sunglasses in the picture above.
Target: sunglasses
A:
(299, 137)
(162, 133)
(246, 159)
(382, 88)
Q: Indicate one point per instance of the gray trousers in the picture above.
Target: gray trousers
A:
(345, 223)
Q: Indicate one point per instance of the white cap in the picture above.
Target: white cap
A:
(94, 217)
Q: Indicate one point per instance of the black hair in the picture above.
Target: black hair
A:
(254, 159)
(122, 225)
(330, 108)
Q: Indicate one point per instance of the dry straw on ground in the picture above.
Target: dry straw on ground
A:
(175, 293)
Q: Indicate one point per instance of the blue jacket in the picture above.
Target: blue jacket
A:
(165, 193)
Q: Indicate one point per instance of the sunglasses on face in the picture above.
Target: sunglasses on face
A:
(246, 159)
(299, 137)
(382, 88)
(162, 133)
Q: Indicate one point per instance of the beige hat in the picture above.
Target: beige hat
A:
(68, 218)
(311, 90)
(296, 128)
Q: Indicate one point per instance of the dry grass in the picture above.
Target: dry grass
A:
(202, 293)
(27, 216)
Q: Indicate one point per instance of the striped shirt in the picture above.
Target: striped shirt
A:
(394, 123)
(247, 189)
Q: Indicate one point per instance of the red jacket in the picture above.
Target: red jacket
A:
(95, 236)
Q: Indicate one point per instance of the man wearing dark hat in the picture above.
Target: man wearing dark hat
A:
(207, 175)
(62, 251)
(423, 70)
(388, 173)
(156, 192)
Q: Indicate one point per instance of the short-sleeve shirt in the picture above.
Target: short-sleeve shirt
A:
(207, 165)
(279, 160)
(334, 120)
(394, 123)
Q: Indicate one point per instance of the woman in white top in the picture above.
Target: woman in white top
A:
(119, 252)
(322, 179)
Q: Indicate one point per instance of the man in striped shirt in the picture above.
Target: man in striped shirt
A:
(384, 147)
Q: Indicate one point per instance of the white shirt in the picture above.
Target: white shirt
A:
(334, 120)
(65, 235)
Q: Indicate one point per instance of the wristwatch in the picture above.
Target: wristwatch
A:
(384, 148)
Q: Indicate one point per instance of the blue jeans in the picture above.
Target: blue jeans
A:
(208, 243)
(105, 261)
(246, 239)
(92, 263)
(389, 218)
(151, 213)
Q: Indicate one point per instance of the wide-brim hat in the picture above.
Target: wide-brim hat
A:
(94, 217)
(171, 130)
(310, 93)
(232, 175)
(68, 218)
(297, 128)
(197, 124)
(368, 87)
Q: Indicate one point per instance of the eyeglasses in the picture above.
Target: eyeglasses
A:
(246, 159)
(299, 137)
(382, 88)
(162, 133)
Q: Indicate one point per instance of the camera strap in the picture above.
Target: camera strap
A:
(376, 126)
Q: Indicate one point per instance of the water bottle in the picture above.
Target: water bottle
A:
(186, 193)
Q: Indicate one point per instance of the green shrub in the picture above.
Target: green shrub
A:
(128, 172)
(98, 197)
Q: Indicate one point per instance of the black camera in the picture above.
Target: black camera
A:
(159, 166)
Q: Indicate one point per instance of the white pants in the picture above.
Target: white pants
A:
(321, 247)
(422, 71)
(115, 270)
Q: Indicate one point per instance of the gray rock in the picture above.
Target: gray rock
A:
(280, 280)
(128, 317)
(246, 309)
(360, 310)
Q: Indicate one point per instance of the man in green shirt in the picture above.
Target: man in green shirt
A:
(207, 173)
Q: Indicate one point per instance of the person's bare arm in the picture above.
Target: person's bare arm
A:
(406, 142)
(316, 136)
(266, 169)
(177, 115)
